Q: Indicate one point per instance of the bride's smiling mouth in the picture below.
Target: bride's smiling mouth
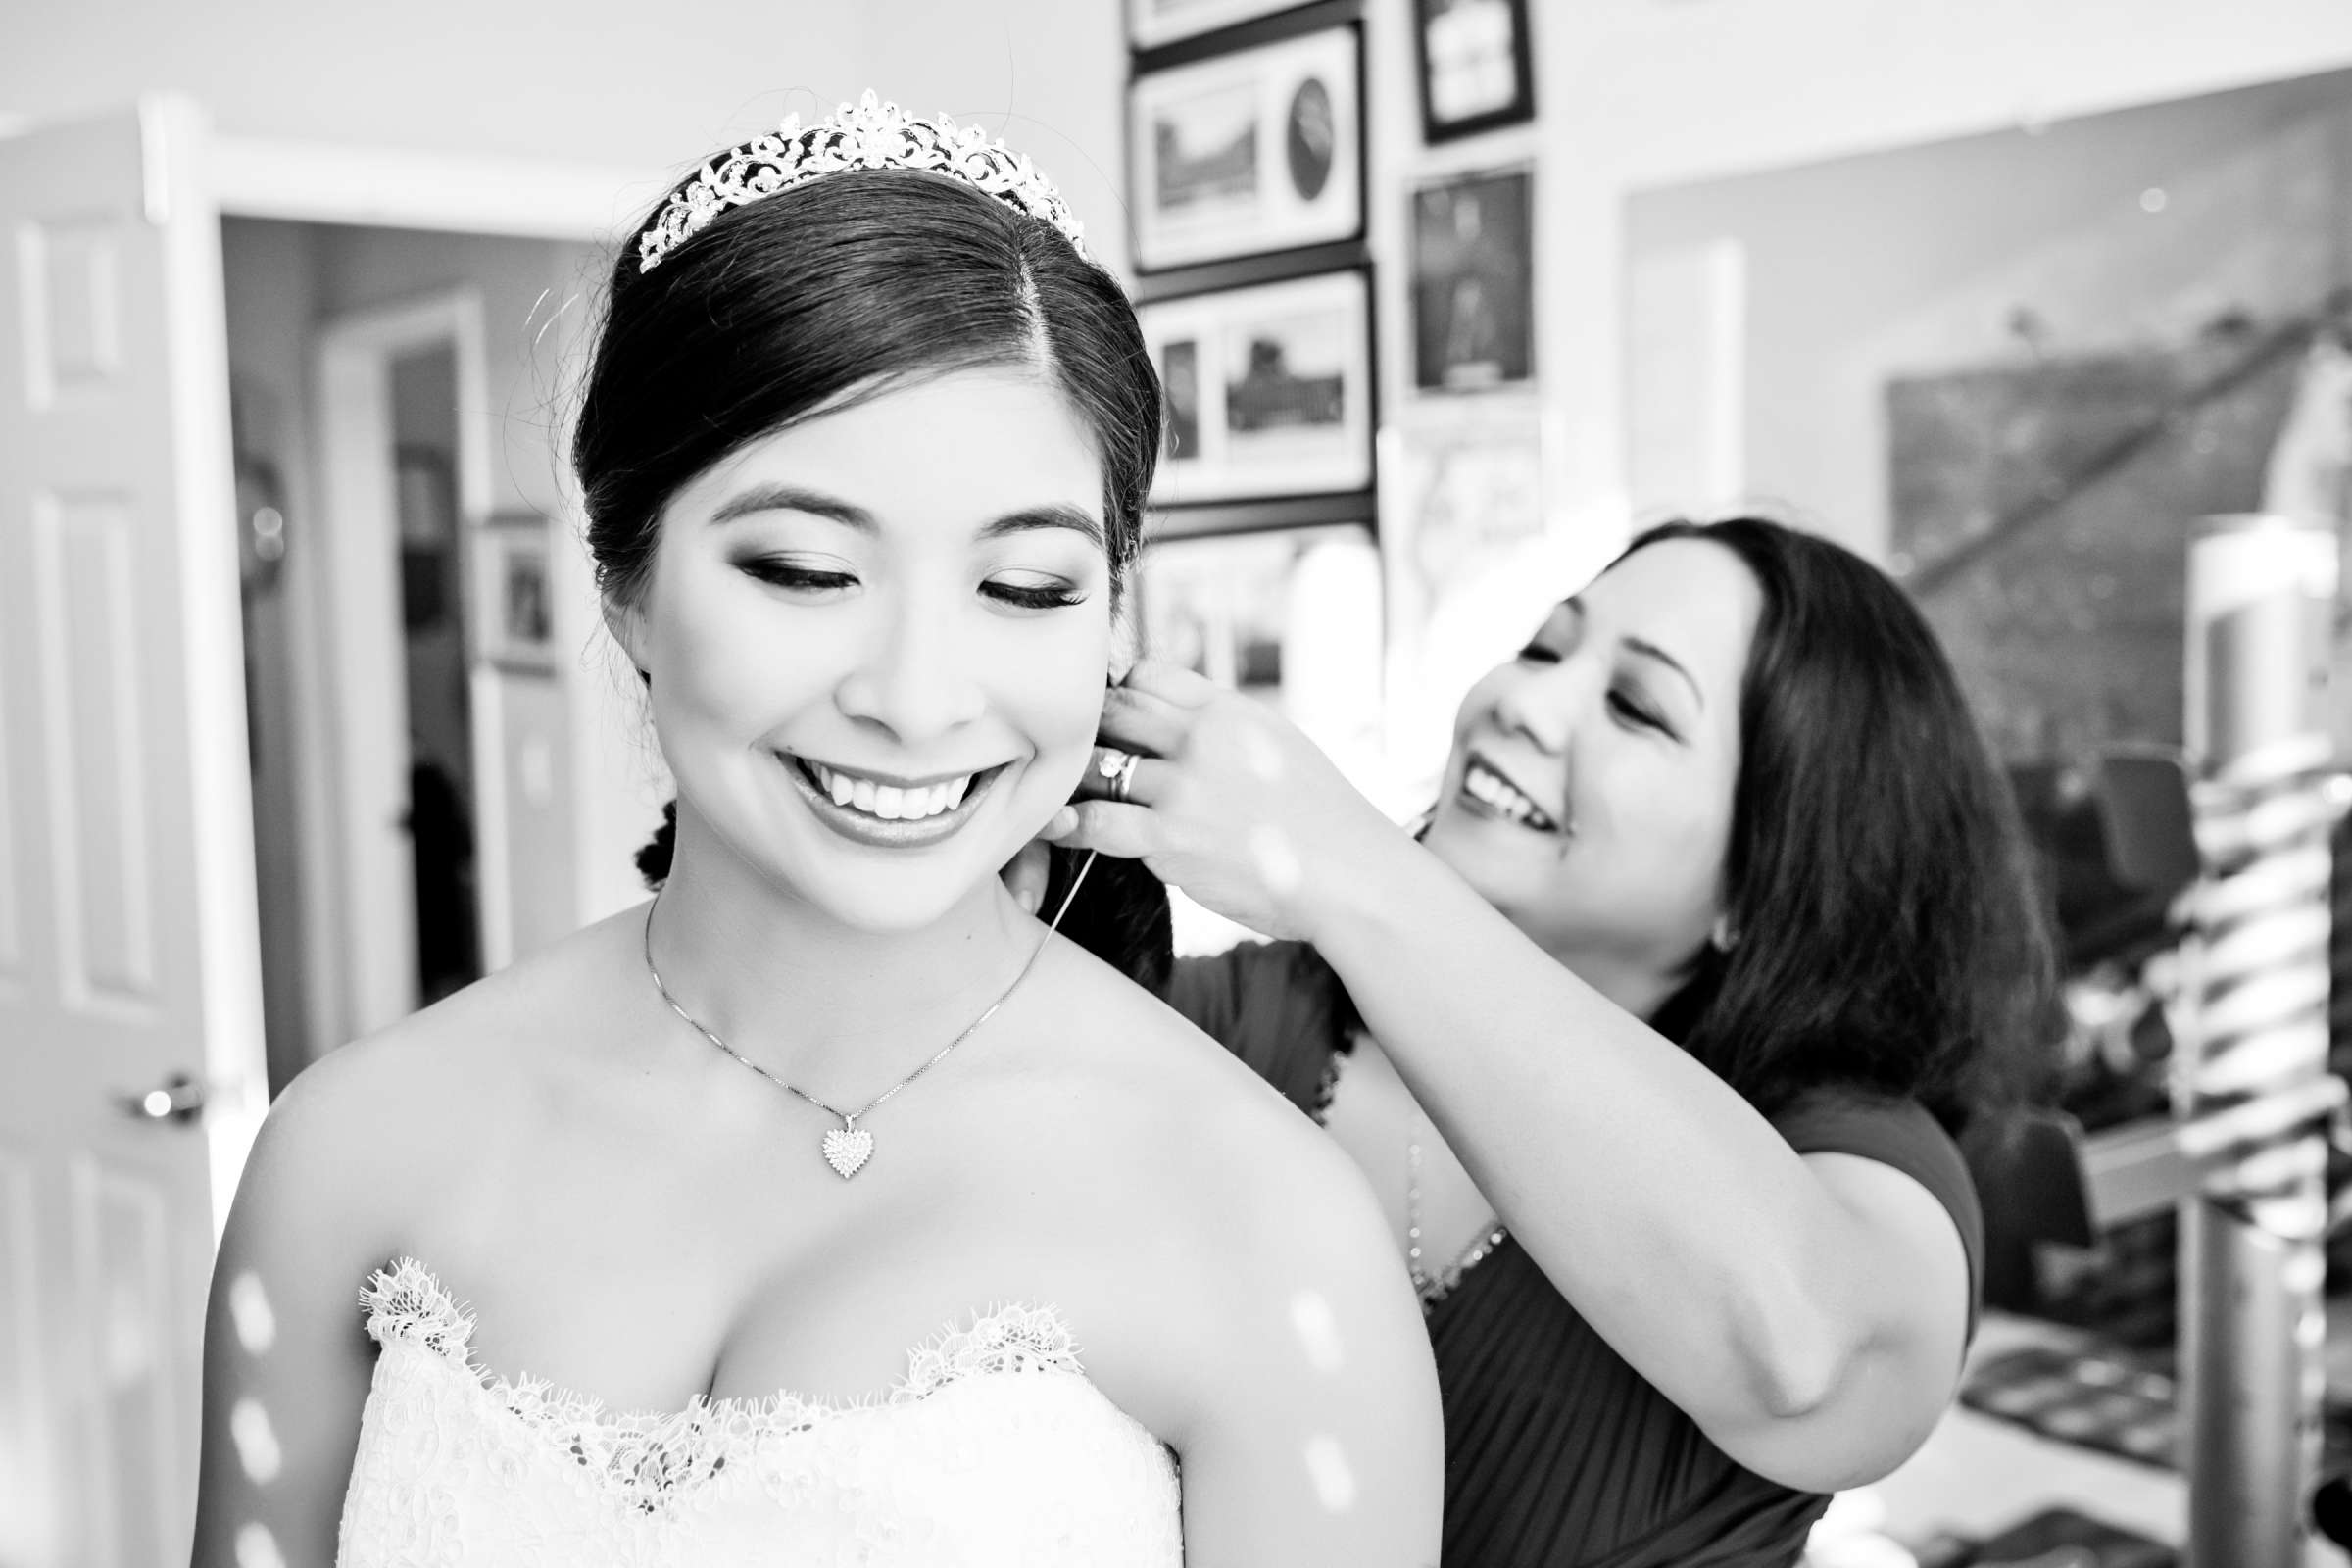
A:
(891, 810)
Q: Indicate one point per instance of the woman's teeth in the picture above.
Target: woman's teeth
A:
(1505, 797)
(890, 802)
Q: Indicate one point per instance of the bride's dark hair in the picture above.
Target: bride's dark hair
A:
(825, 295)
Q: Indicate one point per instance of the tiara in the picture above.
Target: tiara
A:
(868, 135)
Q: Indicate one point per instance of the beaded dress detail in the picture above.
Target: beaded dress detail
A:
(994, 1451)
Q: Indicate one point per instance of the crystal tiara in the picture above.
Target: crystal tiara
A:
(866, 135)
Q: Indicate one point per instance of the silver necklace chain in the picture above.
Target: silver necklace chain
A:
(849, 1146)
(1435, 1287)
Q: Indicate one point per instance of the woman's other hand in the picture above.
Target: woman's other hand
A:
(1227, 800)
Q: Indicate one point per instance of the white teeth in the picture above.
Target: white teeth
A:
(892, 802)
(1505, 796)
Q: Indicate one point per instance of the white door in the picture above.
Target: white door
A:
(127, 931)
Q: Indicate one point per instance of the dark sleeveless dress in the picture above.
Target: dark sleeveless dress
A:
(1558, 1454)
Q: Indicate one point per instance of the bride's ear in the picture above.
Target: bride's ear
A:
(626, 624)
(1126, 637)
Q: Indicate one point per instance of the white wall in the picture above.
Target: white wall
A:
(1641, 93)
(1861, 270)
(641, 90)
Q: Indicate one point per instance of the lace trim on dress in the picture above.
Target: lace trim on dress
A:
(650, 1456)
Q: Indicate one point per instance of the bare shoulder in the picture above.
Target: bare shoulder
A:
(1272, 1225)
(1195, 1124)
(351, 1135)
(1252, 1313)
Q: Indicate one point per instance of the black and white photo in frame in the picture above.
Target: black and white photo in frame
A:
(1477, 65)
(1153, 23)
(1255, 151)
(1269, 389)
(1472, 283)
(1291, 616)
(515, 619)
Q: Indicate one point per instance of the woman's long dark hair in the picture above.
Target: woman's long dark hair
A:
(1890, 938)
(818, 297)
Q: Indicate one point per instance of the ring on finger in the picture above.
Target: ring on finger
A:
(1111, 763)
(1124, 780)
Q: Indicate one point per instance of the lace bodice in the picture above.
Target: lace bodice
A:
(993, 1452)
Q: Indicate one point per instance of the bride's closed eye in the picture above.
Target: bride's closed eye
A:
(1048, 593)
(779, 572)
(803, 581)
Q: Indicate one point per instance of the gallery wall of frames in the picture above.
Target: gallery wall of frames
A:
(1303, 535)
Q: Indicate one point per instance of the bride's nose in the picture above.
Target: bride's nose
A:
(913, 676)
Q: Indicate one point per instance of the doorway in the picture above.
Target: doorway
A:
(442, 799)
(402, 408)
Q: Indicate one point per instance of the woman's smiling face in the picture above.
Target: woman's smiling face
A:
(1589, 793)
(876, 642)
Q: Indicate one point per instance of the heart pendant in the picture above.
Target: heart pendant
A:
(847, 1149)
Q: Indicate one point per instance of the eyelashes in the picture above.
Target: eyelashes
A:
(807, 580)
(1033, 598)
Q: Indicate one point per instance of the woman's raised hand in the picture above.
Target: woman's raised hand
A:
(1227, 799)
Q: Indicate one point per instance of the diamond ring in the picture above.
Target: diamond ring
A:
(1118, 767)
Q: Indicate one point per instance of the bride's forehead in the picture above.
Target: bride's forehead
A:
(961, 453)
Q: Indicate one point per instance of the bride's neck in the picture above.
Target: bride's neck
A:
(798, 991)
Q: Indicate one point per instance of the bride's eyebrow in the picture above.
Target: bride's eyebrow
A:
(817, 504)
(793, 498)
(1055, 516)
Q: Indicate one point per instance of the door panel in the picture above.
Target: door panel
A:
(127, 951)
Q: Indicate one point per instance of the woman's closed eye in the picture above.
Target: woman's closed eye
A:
(1633, 710)
(793, 577)
(1034, 593)
(1538, 653)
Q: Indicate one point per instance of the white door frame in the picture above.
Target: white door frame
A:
(356, 860)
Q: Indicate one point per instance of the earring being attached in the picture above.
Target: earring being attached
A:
(1721, 936)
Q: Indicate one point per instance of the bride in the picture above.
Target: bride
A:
(828, 1207)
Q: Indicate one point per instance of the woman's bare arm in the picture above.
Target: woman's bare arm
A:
(1808, 1313)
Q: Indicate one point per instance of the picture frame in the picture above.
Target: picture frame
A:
(1252, 152)
(1476, 67)
(1269, 388)
(1294, 617)
(1472, 281)
(514, 594)
(1155, 24)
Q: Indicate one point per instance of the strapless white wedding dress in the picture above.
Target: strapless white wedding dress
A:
(995, 1452)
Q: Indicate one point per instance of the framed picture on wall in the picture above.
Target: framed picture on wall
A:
(514, 605)
(1289, 616)
(1269, 389)
(1153, 23)
(1472, 283)
(1248, 153)
(1478, 70)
